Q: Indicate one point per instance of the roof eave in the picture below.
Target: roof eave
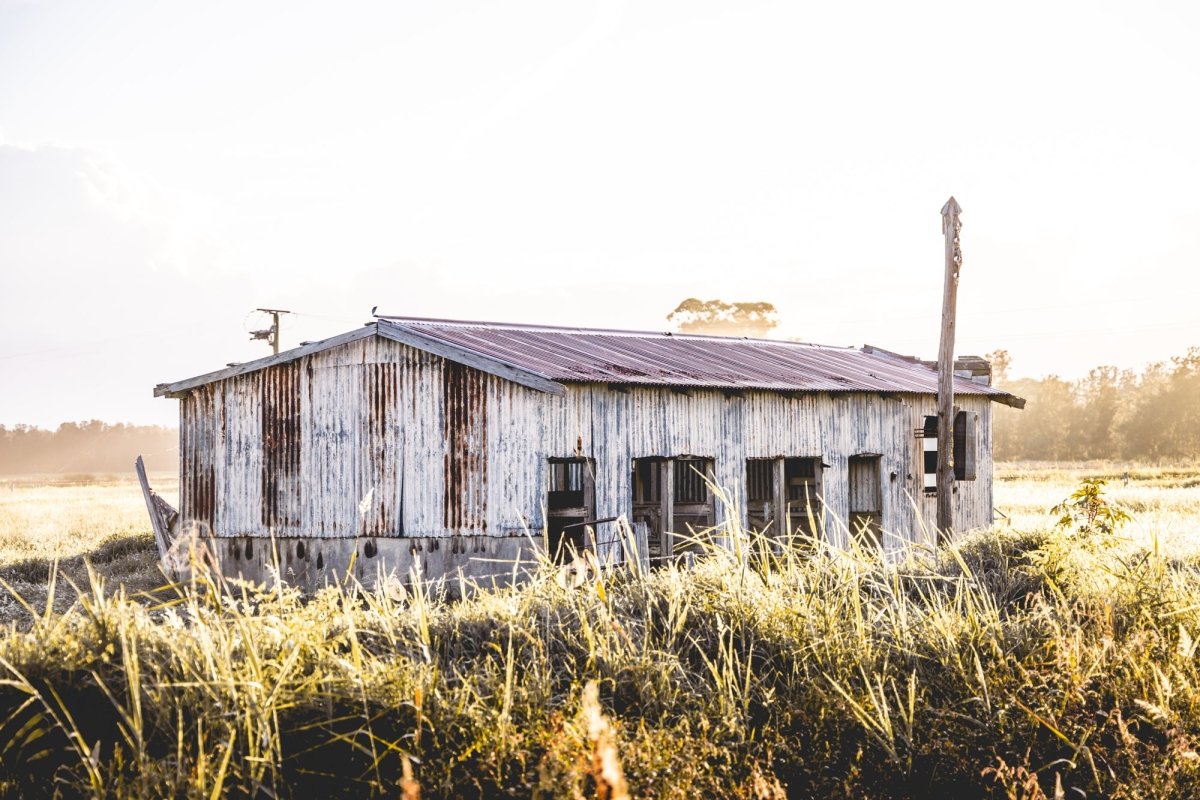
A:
(1010, 400)
(389, 331)
(181, 388)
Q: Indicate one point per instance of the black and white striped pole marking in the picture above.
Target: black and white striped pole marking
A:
(930, 443)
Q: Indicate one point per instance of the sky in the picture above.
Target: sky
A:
(166, 168)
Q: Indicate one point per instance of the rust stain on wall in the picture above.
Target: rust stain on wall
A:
(204, 496)
(198, 488)
(465, 430)
(279, 388)
(379, 389)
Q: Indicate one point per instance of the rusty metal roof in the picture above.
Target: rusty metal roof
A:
(544, 357)
(682, 360)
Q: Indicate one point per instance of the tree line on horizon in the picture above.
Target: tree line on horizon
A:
(1152, 415)
(1113, 414)
(87, 447)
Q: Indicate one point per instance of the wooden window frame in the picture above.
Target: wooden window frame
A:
(559, 516)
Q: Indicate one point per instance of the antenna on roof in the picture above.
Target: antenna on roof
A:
(271, 334)
(373, 310)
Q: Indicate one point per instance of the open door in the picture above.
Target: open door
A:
(779, 486)
(802, 486)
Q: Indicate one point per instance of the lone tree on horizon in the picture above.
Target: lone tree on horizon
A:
(719, 318)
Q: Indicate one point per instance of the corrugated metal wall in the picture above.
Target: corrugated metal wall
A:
(377, 438)
(614, 427)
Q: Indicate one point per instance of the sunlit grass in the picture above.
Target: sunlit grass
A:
(45, 520)
(49, 518)
(1163, 501)
(1019, 661)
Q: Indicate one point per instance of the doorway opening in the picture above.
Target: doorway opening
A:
(866, 498)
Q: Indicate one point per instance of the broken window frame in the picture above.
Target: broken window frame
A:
(663, 489)
(574, 505)
(795, 487)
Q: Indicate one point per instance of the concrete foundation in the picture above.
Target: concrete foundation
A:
(311, 564)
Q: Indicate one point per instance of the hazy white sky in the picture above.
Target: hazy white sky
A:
(167, 167)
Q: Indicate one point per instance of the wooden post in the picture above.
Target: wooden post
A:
(945, 397)
(271, 334)
(161, 513)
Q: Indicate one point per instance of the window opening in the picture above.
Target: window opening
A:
(760, 495)
(802, 479)
(570, 500)
(776, 485)
(673, 501)
(650, 504)
(694, 509)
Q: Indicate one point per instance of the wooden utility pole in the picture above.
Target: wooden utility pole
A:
(945, 465)
(271, 334)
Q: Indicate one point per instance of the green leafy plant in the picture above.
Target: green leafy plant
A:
(1089, 511)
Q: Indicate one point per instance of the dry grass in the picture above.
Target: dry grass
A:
(1163, 501)
(48, 519)
(1015, 664)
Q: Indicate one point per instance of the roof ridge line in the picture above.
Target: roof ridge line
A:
(462, 323)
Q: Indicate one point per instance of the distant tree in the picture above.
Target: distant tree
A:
(1099, 397)
(719, 318)
(1139, 424)
(1001, 362)
(1180, 406)
(1110, 413)
(1045, 429)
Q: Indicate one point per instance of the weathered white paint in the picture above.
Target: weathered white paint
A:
(366, 452)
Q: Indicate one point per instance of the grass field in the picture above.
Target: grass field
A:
(46, 518)
(1163, 501)
(1023, 663)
